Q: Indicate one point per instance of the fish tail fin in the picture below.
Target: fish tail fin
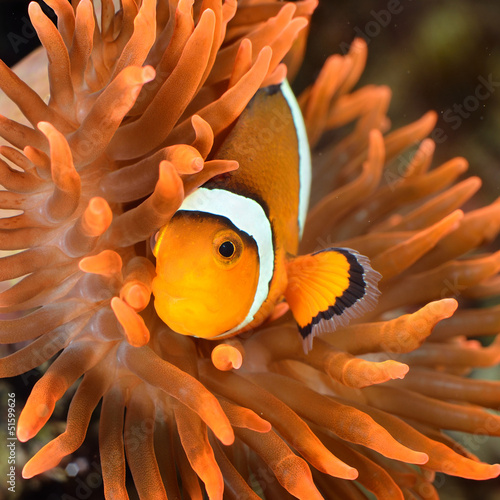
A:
(329, 288)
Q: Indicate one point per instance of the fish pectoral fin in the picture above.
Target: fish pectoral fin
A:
(329, 288)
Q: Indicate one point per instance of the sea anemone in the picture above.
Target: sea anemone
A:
(140, 99)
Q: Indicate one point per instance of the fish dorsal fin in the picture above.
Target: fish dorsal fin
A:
(327, 289)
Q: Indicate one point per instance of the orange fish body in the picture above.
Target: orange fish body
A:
(227, 256)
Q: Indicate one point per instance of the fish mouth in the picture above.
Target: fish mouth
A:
(178, 294)
(190, 305)
(184, 314)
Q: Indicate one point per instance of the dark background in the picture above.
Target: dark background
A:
(433, 54)
(17, 36)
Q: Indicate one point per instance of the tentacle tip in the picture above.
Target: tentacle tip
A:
(420, 458)
(98, 205)
(107, 263)
(137, 297)
(246, 44)
(431, 116)
(462, 162)
(495, 470)
(34, 9)
(455, 218)
(266, 51)
(358, 45)
(288, 8)
(232, 165)
(351, 474)
(450, 305)
(44, 127)
(400, 370)
(135, 341)
(148, 73)
(376, 135)
(226, 357)
(82, 265)
(166, 168)
(264, 427)
(135, 330)
(443, 308)
(225, 435)
(197, 164)
(26, 472)
(279, 310)
(23, 434)
(475, 182)
(340, 469)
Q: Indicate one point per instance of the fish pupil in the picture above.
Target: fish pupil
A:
(227, 249)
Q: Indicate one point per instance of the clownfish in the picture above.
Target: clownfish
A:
(228, 255)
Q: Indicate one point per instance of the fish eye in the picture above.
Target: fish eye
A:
(227, 249)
